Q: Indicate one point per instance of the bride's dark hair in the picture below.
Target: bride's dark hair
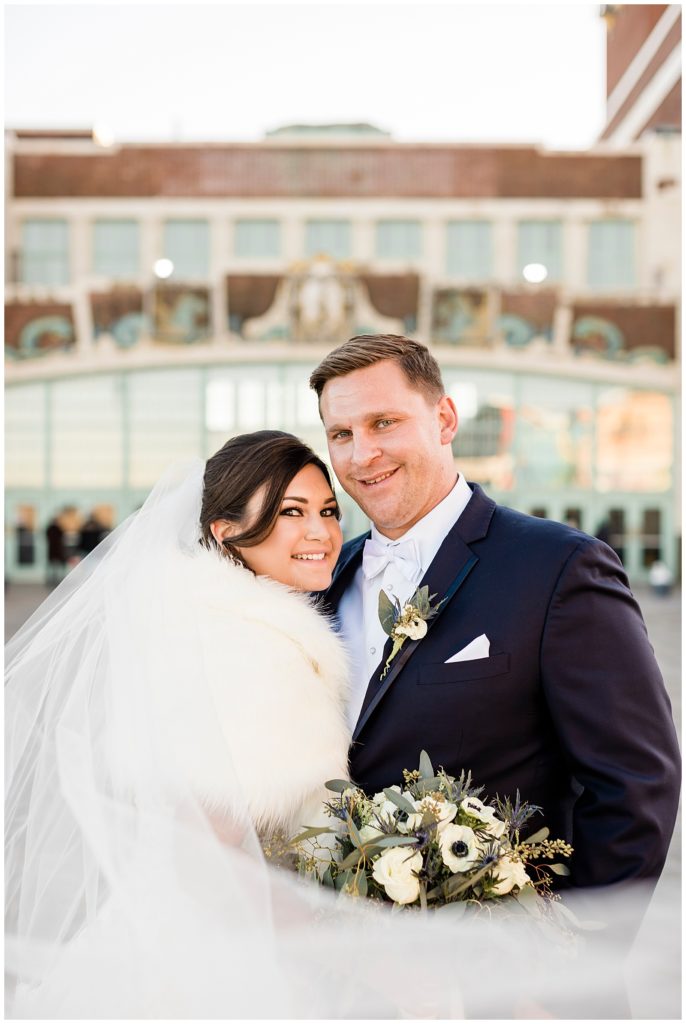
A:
(265, 458)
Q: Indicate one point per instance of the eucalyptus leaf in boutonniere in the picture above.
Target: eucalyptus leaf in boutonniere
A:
(407, 621)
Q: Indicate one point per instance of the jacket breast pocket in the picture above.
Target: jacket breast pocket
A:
(461, 671)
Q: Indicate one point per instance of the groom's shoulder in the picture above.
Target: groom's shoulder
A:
(513, 525)
(352, 546)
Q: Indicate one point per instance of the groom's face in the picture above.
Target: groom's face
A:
(390, 444)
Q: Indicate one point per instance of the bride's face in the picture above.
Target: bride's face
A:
(302, 549)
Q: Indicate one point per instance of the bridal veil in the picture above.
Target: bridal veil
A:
(126, 898)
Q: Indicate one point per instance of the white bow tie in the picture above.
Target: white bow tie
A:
(404, 554)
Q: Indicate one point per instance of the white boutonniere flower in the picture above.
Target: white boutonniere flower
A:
(396, 870)
(405, 622)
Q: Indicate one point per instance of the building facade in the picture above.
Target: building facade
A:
(161, 298)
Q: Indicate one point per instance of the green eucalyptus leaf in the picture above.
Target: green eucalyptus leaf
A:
(428, 785)
(386, 612)
(327, 879)
(309, 833)
(425, 767)
(351, 861)
(342, 879)
(361, 883)
(355, 836)
(538, 837)
(559, 869)
(393, 841)
(339, 785)
(399, 801)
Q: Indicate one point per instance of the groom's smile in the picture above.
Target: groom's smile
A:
(389, 444)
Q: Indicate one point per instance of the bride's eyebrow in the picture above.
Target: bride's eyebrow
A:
(292, 497)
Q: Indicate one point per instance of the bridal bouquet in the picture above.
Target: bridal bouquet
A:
(432, 843)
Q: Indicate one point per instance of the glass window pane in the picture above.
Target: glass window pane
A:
(187, 245)
(45, 252)
(115, 248)
(398, 239)
(25, 426)
(25, 535)
(634, 441)
(257, 239)
(469, 249)
(540, 241)
(327, 237)
(483, 447)
(651, 536)
(165, 422)
(86, 437)
(554, 434)
(251, 404)
(611, 254)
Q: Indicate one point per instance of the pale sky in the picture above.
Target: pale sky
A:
(221, 72)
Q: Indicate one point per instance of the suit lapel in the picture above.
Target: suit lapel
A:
(453, 563)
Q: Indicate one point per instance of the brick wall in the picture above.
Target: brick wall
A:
(292, 172)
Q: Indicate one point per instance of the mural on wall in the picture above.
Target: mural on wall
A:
(462, 316)
(38, 329)
(319, 301)
(181, 314)
(118, 314)
(526, 316)
(624, 333)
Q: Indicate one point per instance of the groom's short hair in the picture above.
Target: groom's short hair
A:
(413, 358)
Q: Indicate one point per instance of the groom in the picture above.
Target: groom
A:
(536, 673)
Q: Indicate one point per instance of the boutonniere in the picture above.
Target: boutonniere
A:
(407, 621)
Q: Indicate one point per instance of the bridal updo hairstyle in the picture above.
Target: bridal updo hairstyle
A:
(265, 458)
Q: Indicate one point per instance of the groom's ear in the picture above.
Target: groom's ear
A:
(447, 419)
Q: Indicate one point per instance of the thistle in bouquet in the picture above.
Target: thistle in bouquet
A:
(433, 843)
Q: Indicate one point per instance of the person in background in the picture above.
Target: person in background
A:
(54, 535)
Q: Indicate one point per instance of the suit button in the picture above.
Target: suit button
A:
(372, 650)
(390, 586)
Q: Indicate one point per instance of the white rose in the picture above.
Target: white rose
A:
(394, 870)
(459, 848)
(472, 805)
(507, 874)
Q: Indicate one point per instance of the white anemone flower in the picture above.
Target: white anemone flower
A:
(459, 847)
(473, 806)
(396, 870)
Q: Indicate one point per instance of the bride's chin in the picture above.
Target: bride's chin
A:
(313, 586)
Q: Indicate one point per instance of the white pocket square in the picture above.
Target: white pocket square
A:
(479, 648)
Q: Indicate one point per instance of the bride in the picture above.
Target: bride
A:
(177, 702)
(179, 687)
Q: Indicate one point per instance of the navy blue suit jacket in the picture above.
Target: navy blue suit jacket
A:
(570, 708)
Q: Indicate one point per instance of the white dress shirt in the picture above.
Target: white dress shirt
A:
(359, 607)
